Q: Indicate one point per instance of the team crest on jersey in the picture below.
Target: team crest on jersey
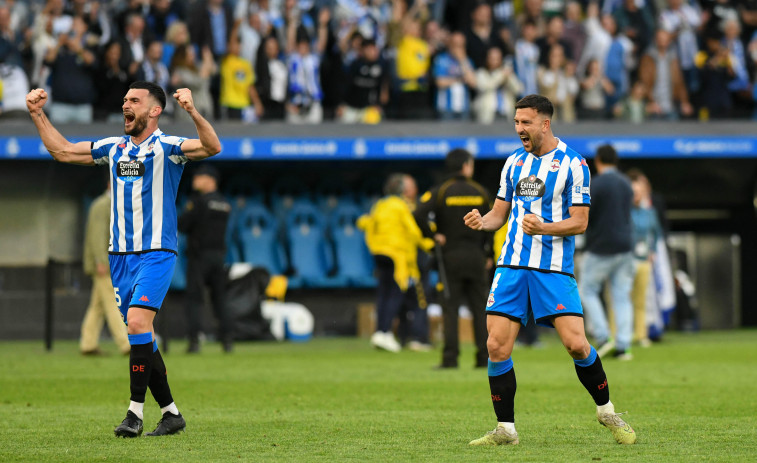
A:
(555, 165)
(490, 301)
(530, 188)
(150, 146)
(130, 171)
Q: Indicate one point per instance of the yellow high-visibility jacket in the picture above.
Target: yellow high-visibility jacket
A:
(390, 230)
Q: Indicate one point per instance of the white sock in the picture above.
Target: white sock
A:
(606, 408)
(170, 408)
(137, 408)
(509, 427)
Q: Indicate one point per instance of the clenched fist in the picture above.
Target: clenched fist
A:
(532, 225)
(474, 220)
(35, 100)
(184, 98)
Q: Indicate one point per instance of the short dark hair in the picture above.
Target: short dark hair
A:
(607, 155)
(153, 89)
(541, 104)
(456, 159)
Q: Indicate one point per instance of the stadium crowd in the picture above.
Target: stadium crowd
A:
(366, 60)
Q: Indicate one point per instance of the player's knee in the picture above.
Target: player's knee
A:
(138, 325)
(498, 351)
(577, 348)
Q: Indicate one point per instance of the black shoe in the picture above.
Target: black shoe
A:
(445, 366)
(169, 424)
(194, 347)
(131, 426)
(228, 346)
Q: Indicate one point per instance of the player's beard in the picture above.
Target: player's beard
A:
(139, 125)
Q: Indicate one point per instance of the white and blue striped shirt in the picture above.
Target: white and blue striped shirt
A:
(546, 186)
(144, 180)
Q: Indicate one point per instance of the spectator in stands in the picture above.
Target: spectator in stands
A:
(595, 89)
(162, 14)
(102, 303)
(554, 36)
(436, 37)
(304, 64)
(152, 69)
(599, 31)
(71, 76)
(739, 86)
(453, 75)
(413, 60)
(210, 23)
(367, 87)
(637, 23)
(634, 107)
(13, 86)
(497, 88)
(681, 21)
(140, 8)
(482, 35)
(646, 232)
(573, 28)
(618, 63)
(533, 13)
(112, 84)
(176, 35)
(252, 30)
(715, 72)
(47, 25)
(133, 43)
(660, 72)
(271, 79)
(186, 73)
(11, 40)
(95, 15)
(558, 83)
(393, 237)
(239, 98)
(527, 58)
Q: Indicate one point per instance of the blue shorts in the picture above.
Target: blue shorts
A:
(515, 291)
(141, 280)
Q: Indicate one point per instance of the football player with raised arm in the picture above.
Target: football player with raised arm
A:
(145, 170)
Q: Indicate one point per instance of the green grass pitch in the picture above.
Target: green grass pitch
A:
(691, 398)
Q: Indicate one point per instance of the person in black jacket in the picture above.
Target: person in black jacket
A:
(204, 221)
(465, 253)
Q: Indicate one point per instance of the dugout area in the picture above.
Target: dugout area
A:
(711, 207)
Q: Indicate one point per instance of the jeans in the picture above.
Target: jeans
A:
(618, 269)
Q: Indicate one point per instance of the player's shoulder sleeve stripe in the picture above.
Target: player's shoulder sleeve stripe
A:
(172, 148)
(106, 141)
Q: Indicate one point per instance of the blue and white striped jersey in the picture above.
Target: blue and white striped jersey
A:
(545, 186)
(455, 98)
(144, 181)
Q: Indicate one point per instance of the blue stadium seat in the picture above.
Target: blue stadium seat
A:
(257, 232)
(179, 278)
(285, 193)
(309, 252)
(353, 260)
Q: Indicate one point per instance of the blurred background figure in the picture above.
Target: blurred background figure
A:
(454, 78)
(186, 73)
(239, 98)
(393, 238)
(497, 87)
(465, 253)
(102, 303)
(646, 233)
(367, 87)
(271, 79)
(204, 221)
(608, 257)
